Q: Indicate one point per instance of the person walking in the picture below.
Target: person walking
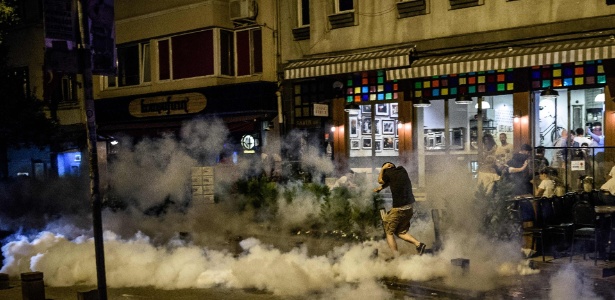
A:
(397, 220)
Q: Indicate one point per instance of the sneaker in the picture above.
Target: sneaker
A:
(421, 248)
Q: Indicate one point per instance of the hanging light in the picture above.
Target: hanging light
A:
(549, 93)
(421, 102)
(484, 105)
(351, 107)
(463, 99)
(599, 97)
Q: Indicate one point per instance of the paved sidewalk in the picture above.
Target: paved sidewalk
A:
(595, 282)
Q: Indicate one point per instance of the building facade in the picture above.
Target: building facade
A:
(388, 57)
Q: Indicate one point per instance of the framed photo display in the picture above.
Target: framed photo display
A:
(366, 126)
(377, 126)
(354, 126)
(394, 110)
(367, 143)
(388, 143)
(366, 108)
(382, 109)
(355, 144)
(378, 144)
(388, 126)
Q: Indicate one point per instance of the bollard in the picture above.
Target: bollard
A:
(32, 286)
(463, 263)
(88, 295)
(4, 281)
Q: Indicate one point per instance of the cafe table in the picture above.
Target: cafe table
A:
(607, 211)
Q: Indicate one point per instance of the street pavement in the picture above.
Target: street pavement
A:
(591, 282)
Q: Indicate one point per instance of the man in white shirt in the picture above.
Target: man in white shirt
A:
(610, 184)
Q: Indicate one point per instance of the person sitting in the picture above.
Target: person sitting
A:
(547, 184)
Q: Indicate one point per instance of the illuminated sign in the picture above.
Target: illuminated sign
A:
(248, 142)
(321, 110)
(180, 104)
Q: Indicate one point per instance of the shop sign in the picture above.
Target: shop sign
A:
(179, 104)
(307, 122)
(321, 110)
(577, 165)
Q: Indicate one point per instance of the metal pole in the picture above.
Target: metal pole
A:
(90, 114)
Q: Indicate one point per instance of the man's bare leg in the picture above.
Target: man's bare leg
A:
(392, 244)
(409, 238)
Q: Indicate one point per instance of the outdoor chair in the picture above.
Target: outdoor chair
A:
(555, 222)
(585, 228)
(529, 211)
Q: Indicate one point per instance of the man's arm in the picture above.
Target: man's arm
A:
(381, 179)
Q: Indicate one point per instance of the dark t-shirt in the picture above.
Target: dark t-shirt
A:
(401, 187)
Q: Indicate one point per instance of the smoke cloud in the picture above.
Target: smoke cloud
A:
(160, 238)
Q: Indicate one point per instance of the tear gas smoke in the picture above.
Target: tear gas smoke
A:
(147, 250)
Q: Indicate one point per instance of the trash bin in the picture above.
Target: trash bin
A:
(32, 286)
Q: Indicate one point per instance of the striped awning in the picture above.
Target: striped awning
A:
(504, 59)
(348, 63)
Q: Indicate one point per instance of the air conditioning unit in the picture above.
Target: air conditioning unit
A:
(242, 9)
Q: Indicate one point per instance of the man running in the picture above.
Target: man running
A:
(397, 221)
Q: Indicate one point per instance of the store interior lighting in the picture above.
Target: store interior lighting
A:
(421, 102)
(463, 99)
(549, 93)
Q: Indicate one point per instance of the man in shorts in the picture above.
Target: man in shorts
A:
(397, 221)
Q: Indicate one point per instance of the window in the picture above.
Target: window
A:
(344, 5)
(133, 66)
(304, 13)
(305, 95)
(249, 52)
(19, 81)
(192, 54)
(164, 60)
(227, 53)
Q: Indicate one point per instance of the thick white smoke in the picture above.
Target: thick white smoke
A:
(195, 245)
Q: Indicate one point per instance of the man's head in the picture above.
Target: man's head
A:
(597, 128)
(503, 138)
(540, 151)
(580, 131)
(387, 165)
(525, 149)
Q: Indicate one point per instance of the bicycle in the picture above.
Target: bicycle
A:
(553, 130)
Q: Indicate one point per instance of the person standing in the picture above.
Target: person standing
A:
(487, 172)
(397, 220)
(597, 142)
(520, 172)
(559, 156)
(504, 152)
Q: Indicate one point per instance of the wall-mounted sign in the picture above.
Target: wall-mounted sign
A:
(308, 122)
(321, 110)
(248, 142)
(179, 104)
(203, 185)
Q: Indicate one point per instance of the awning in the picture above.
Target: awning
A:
(348, 63)
(509, 58)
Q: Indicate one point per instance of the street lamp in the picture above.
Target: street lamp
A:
(351, 108)
(549, 93)
(463, 99)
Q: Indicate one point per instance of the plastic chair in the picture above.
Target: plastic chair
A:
(585, 227)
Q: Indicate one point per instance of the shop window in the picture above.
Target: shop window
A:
(344, 5)
(305, 94)
(18, 80)
(462, 122)
(373, 129)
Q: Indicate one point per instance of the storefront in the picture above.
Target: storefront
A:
(385, 125)
(245, 109)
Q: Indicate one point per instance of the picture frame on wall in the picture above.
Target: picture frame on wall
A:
(382, 109)
(366, 109)
(388, 126)
(367, 143)
(394, 110)
(366, 126)
(396, 128)
(388, 143)
(354, 126)
(378, 126)
(355, 144)
(378, 145)
(396, 145)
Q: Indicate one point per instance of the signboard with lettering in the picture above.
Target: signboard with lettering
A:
(203, 184)
(307, 122)
(321, 110)
(179, 104)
